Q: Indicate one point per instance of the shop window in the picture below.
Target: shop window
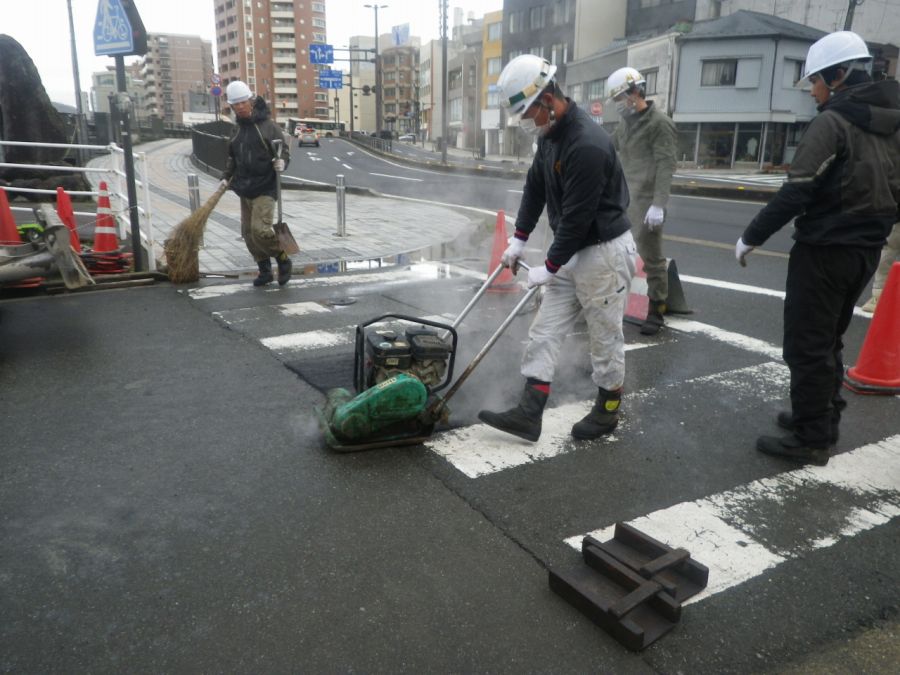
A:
(716, 143)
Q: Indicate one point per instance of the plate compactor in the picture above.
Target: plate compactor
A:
(397, 376)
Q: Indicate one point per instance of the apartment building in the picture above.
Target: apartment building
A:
(265, 43)
(399, 79)
(176, 71)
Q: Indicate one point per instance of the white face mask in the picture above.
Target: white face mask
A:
(623, 108)
(527, 125)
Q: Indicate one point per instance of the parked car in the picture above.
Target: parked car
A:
(307, 136)
(408, 137)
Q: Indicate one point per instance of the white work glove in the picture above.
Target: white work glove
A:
(741, 250)
(513, 253)
(224, 183)
(538, 276)
(654, 218)
(278, 165)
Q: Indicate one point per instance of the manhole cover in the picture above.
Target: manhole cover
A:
(340, 302)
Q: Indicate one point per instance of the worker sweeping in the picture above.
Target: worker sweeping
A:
(252, 168)
(588, 268)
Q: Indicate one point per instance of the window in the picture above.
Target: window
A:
(493, 99)
(514, 53)
(595, 90)
(495, 31)
(718, 73)
(389, 92)
(318, 23)
(650, 76)
(537, 51)
(575, 93)
(558, 54)
(536, 18)
(515, 22)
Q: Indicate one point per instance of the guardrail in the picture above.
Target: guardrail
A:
(118, 192)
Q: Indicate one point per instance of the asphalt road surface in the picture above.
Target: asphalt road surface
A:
(168, 504)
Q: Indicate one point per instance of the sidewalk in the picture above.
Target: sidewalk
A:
(376, 227)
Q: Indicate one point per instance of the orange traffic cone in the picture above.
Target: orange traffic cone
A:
(9, 233)
(105, 229)
(878, 368)
(505, 282)
(67, 215)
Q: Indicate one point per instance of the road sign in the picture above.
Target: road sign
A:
(216, 78)
(215, 90)
(596, 108)
(331, 79)
(118, 29)
(321, 53)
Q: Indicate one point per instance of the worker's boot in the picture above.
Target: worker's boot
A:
(265, 273)
(654, 320)
(603, 418)
(786, 421)
(284, 268)
(524, 420)
(792, 447)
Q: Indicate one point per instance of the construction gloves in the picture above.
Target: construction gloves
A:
(741, 250)
(513, 253)
(223, 183)
(654, 218)
(278, 164)
(538, 276)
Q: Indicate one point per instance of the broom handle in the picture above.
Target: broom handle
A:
(277, 145)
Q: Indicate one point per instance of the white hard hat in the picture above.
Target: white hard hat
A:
(842, 47)
(623, 81)
(236, 92)
(522, 81)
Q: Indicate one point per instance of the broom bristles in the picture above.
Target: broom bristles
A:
(182, 246)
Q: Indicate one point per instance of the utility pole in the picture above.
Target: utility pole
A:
(81, 124)
(378, 111)
(444, 88)
(851, 8)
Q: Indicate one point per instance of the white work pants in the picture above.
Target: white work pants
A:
(596, 280)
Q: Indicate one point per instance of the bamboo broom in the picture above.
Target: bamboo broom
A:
(182, 246)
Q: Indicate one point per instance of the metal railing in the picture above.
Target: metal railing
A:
(118, 192)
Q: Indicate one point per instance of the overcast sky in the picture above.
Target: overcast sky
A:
(42, 28)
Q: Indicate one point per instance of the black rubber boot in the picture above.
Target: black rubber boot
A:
(524, 420)
(786, 421)
(284, 268)
(791, 447)
(602, 419)
(654, 320)
(265, 273)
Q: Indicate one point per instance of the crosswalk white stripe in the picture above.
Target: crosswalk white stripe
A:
(319, 339)
(480, 450)
(726, 532)
(728, 337)
(415, 272)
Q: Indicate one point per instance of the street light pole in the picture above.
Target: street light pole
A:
(444, 88)
(378, 111)
(81, 125)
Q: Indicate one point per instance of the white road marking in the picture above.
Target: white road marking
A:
(319, 339)
(729, 531)
(302, 309)
(347, 166)
(518, 192)
(738, 340)
(387, 175)
(744, 288)
(415, 272)
(479, 450)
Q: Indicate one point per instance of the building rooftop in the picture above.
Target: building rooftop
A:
(745, 23)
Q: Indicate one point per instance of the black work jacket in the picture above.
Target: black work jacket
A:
(576, 174)
(843, 186)
(250, 153)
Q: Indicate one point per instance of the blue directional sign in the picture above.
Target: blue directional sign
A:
(112, 29)
(321, 53)
(331, 79)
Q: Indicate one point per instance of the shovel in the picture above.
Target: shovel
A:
(285, 239)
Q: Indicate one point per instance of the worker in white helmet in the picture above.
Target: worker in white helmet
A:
(252, 170)
(647, 143)
(843, 190)
(588, 268)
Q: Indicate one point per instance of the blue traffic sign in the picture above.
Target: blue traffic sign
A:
(112, 29)
(320, 53)
(331, 79)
